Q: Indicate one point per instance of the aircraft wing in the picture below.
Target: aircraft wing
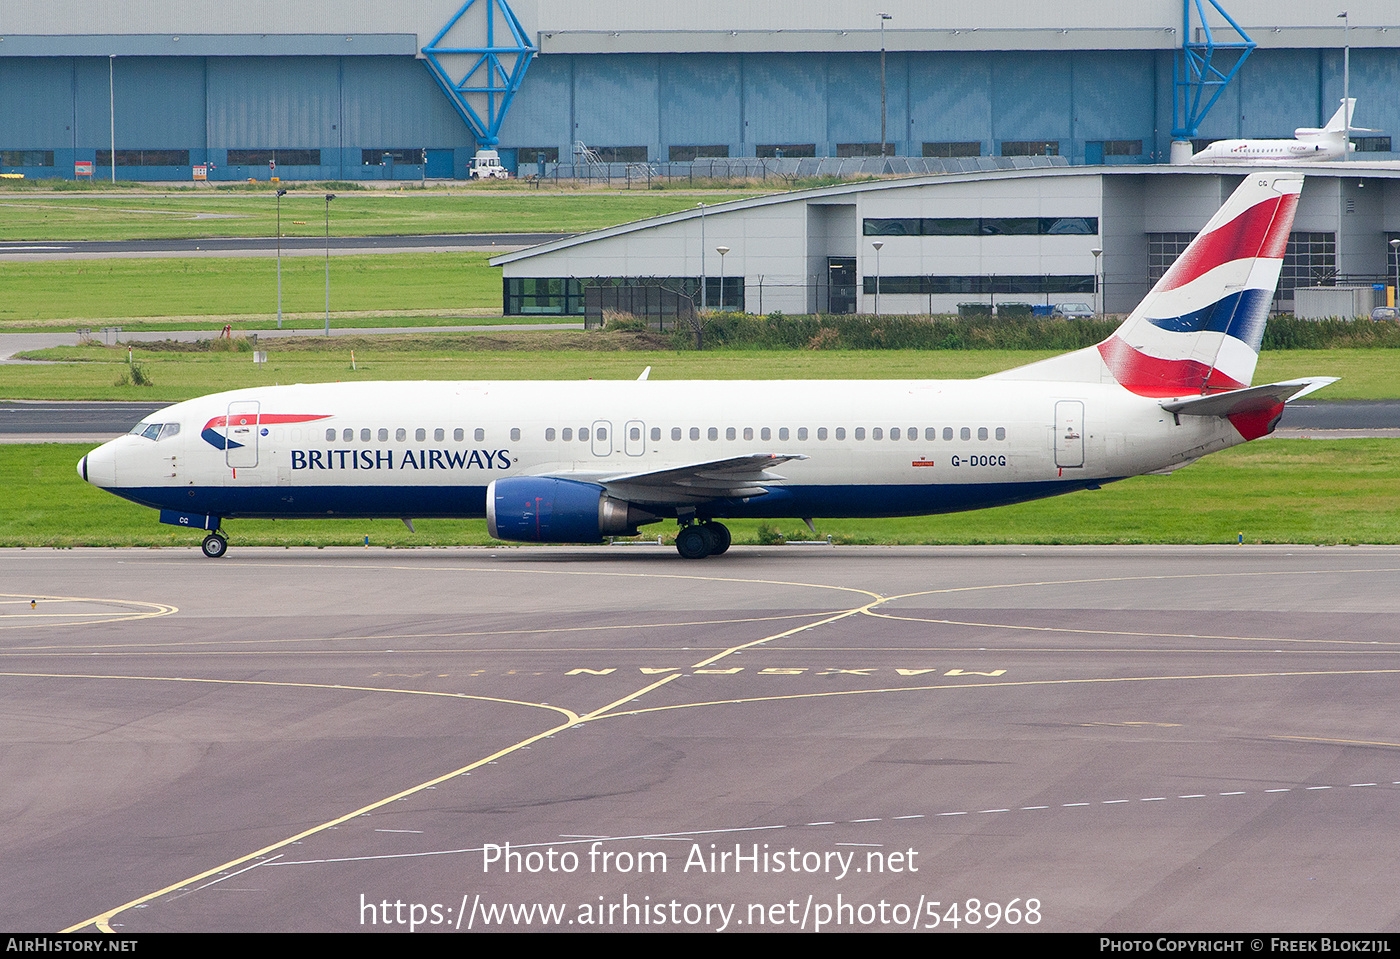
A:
(736, 476)
(1250, 400)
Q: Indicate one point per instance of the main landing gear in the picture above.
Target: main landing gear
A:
(699, 540)
(215, 545)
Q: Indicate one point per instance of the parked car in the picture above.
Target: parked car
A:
(1073, 311)
(1386, 313)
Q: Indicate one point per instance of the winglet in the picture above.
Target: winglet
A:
(645, 373)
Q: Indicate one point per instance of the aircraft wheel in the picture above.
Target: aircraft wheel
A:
(694, 542)
(214, 545)
(720, 534)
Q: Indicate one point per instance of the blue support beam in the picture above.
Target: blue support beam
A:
(482, 92)
(1194, 75)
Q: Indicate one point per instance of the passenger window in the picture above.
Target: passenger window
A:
(567, 434)
(766, 433)
(330, 435)
(821, 432)
(947, 432)
(860, 432)
(419, 434)
(965, 433)
(514, 434)
(401, 435)
(364, 435)
(782, 432)
(601, 432)
(438, 435)
(748, 432)
(981, 432)
(383, 435)
(877, 434)
(931, 433)
(675, 432)
(480, 434)
(913, 433)
(583, 434)
(347, 435)
(729, 434)
(712, 433)
(634, 433)
(458, 435)
(1001, 432)
(802, 432)
(840, 432)
(695, 432)
(655, 433)
(894, 433)
(549, 435)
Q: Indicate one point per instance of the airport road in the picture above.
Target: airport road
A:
(57, 422)
(267, 246)
(1137, 739)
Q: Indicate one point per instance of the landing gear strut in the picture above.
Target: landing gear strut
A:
(699, 540)
(214, 545)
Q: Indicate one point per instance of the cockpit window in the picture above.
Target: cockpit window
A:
(156, 431)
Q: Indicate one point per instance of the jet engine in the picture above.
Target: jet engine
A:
(538, 509)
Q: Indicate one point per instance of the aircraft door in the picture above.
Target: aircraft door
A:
(1069, 434)
(241, 434)
(602, 438)
(635, 442)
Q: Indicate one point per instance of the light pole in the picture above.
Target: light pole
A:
(1098, 298)
(877, 244)
(704, 299)
(721, 250)
(1345, 17)
(1395, 255)
(883, 18)
(280, 194)
(112, 110)
(329, 198)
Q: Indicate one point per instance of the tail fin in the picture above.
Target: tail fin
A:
(1200, 328)
(1337, 124)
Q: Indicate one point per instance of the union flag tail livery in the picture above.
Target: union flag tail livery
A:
(559, 462)
(1200, 328)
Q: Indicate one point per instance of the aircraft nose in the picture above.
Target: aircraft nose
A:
(99, 467)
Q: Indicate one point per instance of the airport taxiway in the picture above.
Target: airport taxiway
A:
(1138, 739)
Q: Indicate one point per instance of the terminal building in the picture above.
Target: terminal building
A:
(352, 89)
(938, 244)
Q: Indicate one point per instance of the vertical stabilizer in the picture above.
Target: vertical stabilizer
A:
(1200, 328)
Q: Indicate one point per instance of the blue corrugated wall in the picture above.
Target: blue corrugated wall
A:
(342, 106)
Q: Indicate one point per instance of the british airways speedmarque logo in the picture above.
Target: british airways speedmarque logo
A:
(212, 434)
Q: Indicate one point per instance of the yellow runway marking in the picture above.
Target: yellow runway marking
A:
(612, 709)
(144, 610)
(1010, 683)
(1345, 742)
(573, 717)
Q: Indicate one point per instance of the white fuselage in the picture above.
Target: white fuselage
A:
(430, 449)
(1325, 147)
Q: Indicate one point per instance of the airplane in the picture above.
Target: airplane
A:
(575, 462)
(1327, 143)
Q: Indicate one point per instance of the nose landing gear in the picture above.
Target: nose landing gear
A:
(699, 540)
(214, 545)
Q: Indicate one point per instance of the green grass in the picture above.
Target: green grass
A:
(116, 290)
(90, 372)
(1272, 491)
(85, 215)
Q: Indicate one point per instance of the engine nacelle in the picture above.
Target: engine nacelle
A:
(537, 509)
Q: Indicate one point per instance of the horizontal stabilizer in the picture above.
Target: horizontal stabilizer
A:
(1255, 399)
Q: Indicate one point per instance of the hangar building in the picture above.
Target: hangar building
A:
(351, 89)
